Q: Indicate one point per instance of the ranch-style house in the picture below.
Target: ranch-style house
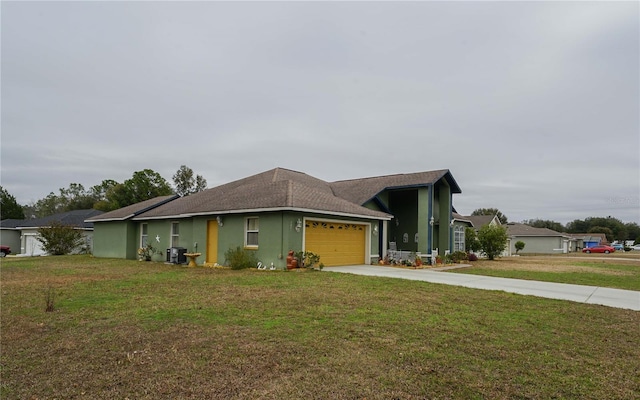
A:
(351, 222)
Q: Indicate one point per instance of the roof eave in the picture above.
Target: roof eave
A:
(539, 235)
(138, 212)
(455, 188)
(387, 217)
(110, 219)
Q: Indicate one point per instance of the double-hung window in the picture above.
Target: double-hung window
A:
(144, 235)
(459, 239)
(175, 234)
(251, 228)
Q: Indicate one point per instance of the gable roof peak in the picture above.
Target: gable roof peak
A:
(280, 172)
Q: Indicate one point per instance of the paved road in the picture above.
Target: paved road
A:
(619, 298)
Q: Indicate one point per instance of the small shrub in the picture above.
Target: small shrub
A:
(59, 239)
(145, 253)
(472, 257)
(240, 258)
(459, 256)
(493, 240)
(519, 246)
(307, 259)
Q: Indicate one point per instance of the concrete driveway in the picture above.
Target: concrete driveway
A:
(619, 298)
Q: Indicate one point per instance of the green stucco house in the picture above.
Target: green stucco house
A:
(348, 222)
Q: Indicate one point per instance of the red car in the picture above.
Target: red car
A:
(5, 250)
(599, 249)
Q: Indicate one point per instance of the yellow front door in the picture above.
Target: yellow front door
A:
(336, 243)
(212, 242)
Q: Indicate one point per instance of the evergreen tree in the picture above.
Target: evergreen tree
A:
(143, 185)
(541, 223)
(185, 182)
(9, 207)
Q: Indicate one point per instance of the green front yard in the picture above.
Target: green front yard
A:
(127, 329)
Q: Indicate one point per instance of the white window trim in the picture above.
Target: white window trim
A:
(143, 235)
(247, 231)
(172, 235)
(459, 239)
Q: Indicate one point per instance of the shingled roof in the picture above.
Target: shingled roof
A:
(76, 218)
(276, 189)
(479, 221)
(516, 229)
(360, 191)
(10, 223)
(127, 212)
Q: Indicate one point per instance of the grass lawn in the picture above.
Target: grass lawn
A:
(622, 272)
(141, 330)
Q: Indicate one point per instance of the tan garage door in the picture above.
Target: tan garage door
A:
(336, 243)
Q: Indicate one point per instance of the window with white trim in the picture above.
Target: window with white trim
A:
(251, 229)
(144, 235)
(175, 234)
(458, 238)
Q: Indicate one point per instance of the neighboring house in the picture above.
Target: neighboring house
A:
(271, 213)
(538, 240)
(29, 244)
(587, 240)
(10, 234)
(478, 221)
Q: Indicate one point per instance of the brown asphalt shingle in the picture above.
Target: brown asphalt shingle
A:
(515, 229)
(360, 191)
(275, 189)
(132, 210)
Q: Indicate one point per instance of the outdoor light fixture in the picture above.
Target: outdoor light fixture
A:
(219, 220)
(298, 225)
(451, 223)
(375, 230)
(432, 221)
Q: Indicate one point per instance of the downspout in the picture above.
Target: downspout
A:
(381, 235)
(449, 224)
(281, 255)
(430, 227)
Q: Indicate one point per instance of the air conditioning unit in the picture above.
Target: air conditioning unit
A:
(175, 255)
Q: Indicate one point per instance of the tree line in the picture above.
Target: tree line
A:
(107, 196)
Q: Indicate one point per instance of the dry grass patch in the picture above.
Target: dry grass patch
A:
(550, 264)
(613, 272)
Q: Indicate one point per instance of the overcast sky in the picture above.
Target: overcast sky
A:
(533, 107)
